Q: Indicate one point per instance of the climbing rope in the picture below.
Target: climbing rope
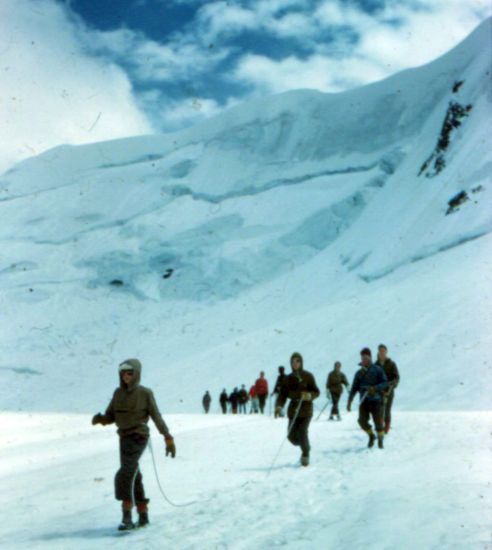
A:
(166, 498)
(285, 439)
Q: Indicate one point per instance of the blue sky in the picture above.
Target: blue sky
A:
(213, 54)
(107, 68)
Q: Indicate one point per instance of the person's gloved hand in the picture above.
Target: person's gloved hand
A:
(306, 396)
(278, 411)
(170, 446)
(349, 406)
(371, 390)
(97, 419)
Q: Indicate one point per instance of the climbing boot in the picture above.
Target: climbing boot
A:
(126, 522)
(143, 513)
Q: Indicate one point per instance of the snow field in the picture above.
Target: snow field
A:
(293, 223)
(429, 488)
(434, 315)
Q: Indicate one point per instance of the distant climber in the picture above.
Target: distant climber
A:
(393, 376)
(261, 386)
(255, 407)
(206, 400)
(370, 381)
(334, 388)
(223, 400)
(234, 400)
(276, 390)
(243, 399)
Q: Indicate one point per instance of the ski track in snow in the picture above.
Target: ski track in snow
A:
(429, 488)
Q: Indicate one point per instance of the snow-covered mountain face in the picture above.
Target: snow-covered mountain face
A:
(303, 221)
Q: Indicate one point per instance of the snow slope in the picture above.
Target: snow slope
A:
(304, 221)
(429, 488)
(298, 221)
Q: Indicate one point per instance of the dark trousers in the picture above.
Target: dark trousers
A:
(367, 410)
(388, 403)
(224, 408)
(206, 408)
(298, 434)
(262, 399)
(128, 480)
(242, 408)
(276, 414)
(335, 398)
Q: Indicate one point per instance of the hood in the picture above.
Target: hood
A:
(298, 356)
(137, 368)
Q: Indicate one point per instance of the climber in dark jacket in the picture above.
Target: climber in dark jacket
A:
(206, 400)
(370, 381)
(223, 399)
(300, 387)
(276, 390)
(334, 388)
(393, 376)
(234, 400)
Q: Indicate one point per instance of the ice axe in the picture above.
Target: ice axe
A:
(363, 398)
(288, 433)
(323, 409)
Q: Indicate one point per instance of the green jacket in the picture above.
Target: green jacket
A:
(336, 381)
(132, 406)
(391, 371)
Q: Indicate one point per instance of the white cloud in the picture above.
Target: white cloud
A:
(424, 35)
(52, 91)
(217, 19)
(317, 72)
(293, 25)
(221, 19)
(425, 31)
(336, 13)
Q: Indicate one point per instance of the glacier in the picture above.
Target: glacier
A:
(302, 221)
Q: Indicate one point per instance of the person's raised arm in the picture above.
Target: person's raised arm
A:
(107, 417)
